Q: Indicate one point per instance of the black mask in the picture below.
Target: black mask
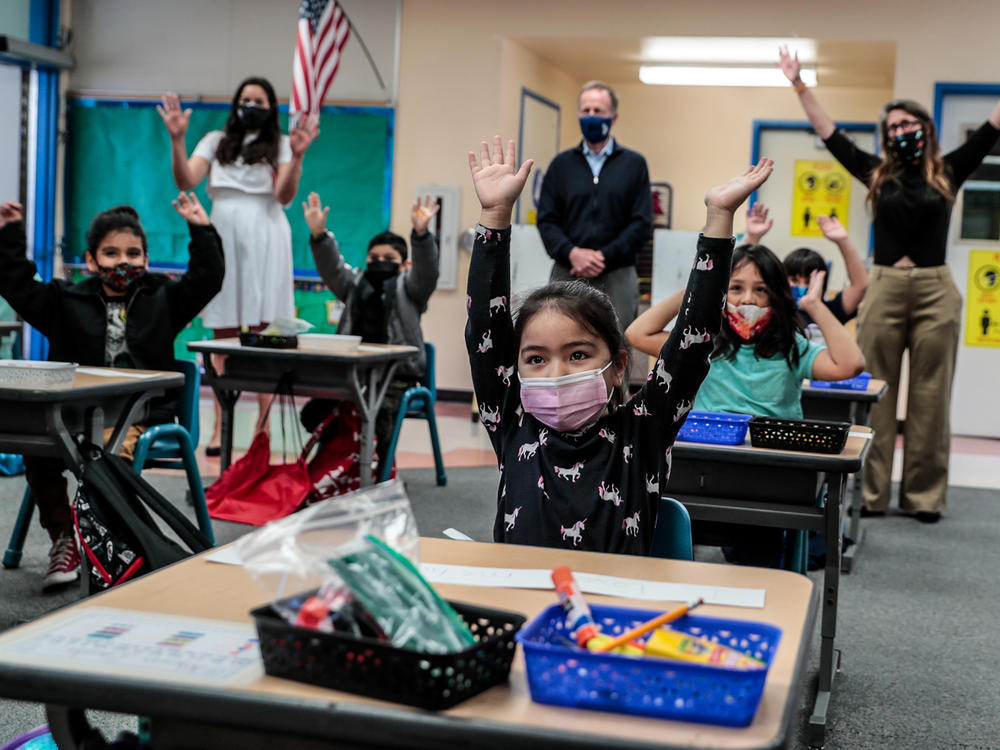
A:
(909, 147)
(251, 116)
(380, 271)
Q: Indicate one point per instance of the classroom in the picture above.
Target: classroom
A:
(886, 640)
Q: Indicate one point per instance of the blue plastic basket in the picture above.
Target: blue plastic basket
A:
(720, 428)
(563, 675)
(859, 383)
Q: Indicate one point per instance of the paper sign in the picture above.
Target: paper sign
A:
(822, 188)
(142, 645)
(592, 583)
(982, 299)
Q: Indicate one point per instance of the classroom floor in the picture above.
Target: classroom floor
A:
(975, 462)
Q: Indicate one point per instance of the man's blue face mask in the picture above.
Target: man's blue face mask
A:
(595, 129)
(798, 292)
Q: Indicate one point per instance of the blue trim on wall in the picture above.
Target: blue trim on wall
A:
(953, 88)
(43, 22)
(528, 93)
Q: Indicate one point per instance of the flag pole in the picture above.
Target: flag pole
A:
(364, 47)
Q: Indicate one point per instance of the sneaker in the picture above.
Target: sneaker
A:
(64, 563)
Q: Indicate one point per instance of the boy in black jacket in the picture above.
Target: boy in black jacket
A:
(120, 317)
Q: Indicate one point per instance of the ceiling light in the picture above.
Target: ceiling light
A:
(719, 75)
(717, 49)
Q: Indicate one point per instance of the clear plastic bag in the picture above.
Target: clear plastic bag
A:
(289, 558)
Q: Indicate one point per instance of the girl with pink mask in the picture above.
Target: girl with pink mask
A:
(761, 355)
(580, 464)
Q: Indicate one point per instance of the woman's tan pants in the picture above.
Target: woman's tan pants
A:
(917, 309)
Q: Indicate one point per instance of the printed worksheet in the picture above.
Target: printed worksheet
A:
(141, 645)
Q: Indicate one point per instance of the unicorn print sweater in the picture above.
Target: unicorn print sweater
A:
(598, 488)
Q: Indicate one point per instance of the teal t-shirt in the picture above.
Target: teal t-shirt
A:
(762, 387)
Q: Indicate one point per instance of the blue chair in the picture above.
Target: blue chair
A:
(163, 444)
(672, 533)
(418, 403)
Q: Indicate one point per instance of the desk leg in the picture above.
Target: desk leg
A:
(368, 400)
(70, 728)
(862, 416)
(227, 402)
(128, 417)
(68, 450)
(829, 656)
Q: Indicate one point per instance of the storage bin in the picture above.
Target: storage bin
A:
(719, 428)
(249, 338)
(858, 383)
(27, 372)
(814, 436)
(380, 670)
(564, 675)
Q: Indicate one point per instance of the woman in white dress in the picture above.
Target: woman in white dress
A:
(253, 170)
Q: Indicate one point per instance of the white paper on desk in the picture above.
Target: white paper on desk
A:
(226, 556)
(141, 645)
(592, 583)
(865, 435)
(115, 373)
(369, 348)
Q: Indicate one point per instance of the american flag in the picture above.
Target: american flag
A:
(323, 32)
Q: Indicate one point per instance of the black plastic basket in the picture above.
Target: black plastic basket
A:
(380, 670)
(249, 338)
(813, 435)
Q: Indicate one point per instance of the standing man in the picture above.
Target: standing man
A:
(596, 211)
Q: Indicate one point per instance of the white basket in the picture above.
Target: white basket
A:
(28, 372)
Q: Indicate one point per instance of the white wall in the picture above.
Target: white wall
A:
(206, 47)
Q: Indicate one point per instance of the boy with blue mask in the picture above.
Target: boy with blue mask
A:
(802, 263)
(122, 316)
(383, 302)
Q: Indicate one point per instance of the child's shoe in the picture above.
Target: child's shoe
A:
(64, 563)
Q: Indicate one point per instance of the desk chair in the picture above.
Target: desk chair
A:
(672, 534)
(418, 403)
(163, 443)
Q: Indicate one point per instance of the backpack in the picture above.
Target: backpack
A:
(114, 511)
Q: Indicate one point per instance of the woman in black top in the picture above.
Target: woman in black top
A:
(912, 302)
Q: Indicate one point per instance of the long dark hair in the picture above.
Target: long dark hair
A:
(931, 164)
(779, 336)
(265, 146)
(590, 307)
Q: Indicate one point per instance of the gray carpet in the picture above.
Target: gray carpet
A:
(917, 616)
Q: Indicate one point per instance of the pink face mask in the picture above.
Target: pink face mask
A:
(568, 402)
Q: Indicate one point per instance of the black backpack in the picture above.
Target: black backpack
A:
(114, 511)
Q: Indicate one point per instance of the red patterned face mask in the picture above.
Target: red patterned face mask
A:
(121, 276)
(747, 321)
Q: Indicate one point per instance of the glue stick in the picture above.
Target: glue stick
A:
(579, 620)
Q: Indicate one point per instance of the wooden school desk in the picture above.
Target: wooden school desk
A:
(269, 712)
(361, 376)
(855, 407)
(42, 420)
(764, 487)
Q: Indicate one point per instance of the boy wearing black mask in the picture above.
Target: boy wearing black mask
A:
(382, 302)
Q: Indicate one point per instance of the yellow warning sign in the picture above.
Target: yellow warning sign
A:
(982, 299)
(822, 188)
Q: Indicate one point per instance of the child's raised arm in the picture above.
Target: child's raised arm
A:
(758, 223)
(857, 274)
(648, 333)
(489, 332)
(422, 276)
(842, 358)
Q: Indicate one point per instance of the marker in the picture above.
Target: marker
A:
(649, 625)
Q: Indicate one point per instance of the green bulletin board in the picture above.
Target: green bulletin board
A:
(119, 152)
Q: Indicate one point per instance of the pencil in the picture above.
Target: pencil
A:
(649, 625)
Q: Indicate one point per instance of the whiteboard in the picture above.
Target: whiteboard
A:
(673, 256)
(530, 265)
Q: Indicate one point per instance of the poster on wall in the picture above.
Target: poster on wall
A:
(821, 188)
(982, 299)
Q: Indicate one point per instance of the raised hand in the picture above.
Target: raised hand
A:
(728, 196)
(302, 134)
(789, 64)
(831, 228)
(814, 294)
(187, 205)
(421, 214)
(173, 116)
(315, 214)
(496, 183)
(758, 223)
(10, 211)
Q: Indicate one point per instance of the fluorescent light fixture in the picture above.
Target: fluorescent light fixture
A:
(688, 50)
(719, 75)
